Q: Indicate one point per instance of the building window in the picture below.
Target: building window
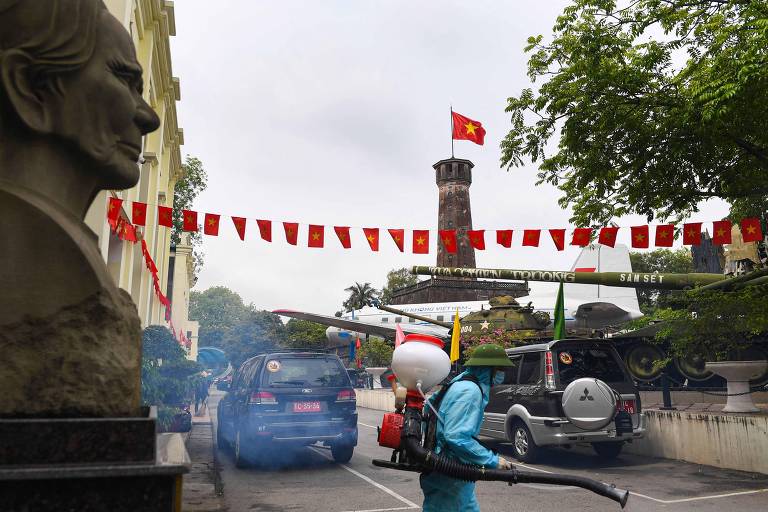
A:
(384, 319)
(411, 320)
(439, 318)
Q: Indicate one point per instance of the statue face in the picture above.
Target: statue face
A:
(102, 111)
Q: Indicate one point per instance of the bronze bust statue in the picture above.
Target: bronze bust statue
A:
(72, 118)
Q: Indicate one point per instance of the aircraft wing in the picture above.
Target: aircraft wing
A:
(351, 325)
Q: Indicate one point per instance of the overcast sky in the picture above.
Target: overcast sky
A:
(333, 112)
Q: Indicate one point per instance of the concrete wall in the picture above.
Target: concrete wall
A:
(378, 399)
(733, 441)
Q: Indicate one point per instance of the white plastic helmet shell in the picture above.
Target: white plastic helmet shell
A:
(420, 358)
(589, 403)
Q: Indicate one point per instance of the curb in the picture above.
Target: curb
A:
(218, 483)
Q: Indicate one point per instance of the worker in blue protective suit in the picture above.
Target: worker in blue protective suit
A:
(461, 413)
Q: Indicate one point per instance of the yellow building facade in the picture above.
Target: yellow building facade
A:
(151, 24)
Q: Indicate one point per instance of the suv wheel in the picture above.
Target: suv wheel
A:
(241, 460)
(524, 448)
(608, 450)
(342, 452)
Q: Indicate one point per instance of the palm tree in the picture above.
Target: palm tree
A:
(360, 295)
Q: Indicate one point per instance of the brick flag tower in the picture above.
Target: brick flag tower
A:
(453, 177)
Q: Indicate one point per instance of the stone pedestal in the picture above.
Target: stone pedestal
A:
(738, 374)
(85, 464)
(376, 374)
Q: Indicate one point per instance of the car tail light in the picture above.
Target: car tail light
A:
(549, 370)
(346, 395)
(262, 398)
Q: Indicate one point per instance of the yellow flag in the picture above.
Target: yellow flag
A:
(455, 337)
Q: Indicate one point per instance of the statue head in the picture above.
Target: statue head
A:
(70, 84)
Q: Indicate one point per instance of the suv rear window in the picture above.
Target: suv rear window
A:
(577, 362)
(304, 372)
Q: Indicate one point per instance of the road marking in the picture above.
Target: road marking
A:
(411, 505)
(698, 498)
(533, 468)
(365, 424)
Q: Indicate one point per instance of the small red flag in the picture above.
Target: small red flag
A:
(239, 223)
(465, 128)
(692, 233)
(558, 236)
(665, 235)
(190, 220)
(477, 238)
(581, 236)
(265, 229)
(608, 236)
(128, 233)
(448, 237)
(316, 236)
(531, 237)
(139, 213)
(342, 232)
(420, 241)
(751, 231)
(372, 235)
(722, 232)
(165, 216)
(398, 235)
(504, 237)
(640, 237)
(113, 209)
(291, 232)
(211, 224)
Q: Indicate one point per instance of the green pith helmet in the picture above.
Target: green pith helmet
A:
(489, 355)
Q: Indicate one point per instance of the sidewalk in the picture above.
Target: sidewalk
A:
(199, 491)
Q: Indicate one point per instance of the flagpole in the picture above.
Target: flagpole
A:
(451, 131)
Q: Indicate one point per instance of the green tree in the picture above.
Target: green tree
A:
(167, 376)
(376, 352)
(305, 334)
(359, 296)
(396, 279)
(217, 309)
(648, 108)
(159, 344)
(662, 261)
(256, 333)
(193, 181)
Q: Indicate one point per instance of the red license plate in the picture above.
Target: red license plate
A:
(306, 406)
(628, 406)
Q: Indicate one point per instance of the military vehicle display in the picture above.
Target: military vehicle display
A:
(636, 348)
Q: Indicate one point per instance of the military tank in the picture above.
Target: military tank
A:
(636, 348)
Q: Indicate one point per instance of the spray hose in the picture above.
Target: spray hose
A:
(429, 460)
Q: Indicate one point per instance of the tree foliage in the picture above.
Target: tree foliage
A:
(376, 352)
(396, 278)
(193, 181)
(305, 334)
(167, 376)
(217, 309)
(359, 296)
(662, 261)
(256, 333)
(648, 108)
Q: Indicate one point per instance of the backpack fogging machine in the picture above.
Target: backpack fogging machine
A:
(420, 363)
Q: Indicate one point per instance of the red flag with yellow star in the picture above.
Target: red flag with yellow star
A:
(692, 233)
(420, 241)
(291, 232)
(665, 235)
(477, 238)
(265, 229)
(721, 232)
(581, 236)
(139, 213)
(165, 216)
(211, 224)
(751, 231)
(558, 237)
(448, 237)
(640, 237)
(190, 220)
(239, 223)
(372, 235)
(504, 237)
(465, 128)
(316, 236)
(342, 232)
(531, 237)
(608, 236)
(113, 209)
(398, 235)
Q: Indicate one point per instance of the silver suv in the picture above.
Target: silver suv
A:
(562, 393)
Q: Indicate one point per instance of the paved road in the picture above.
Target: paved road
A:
(308, 480)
